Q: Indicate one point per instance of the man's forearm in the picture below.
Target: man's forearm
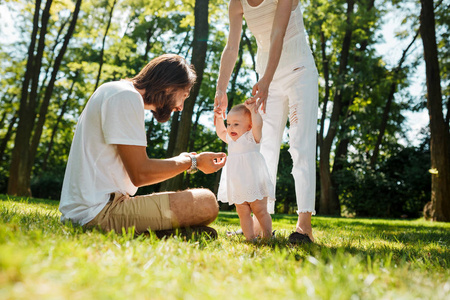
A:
(159, 170)
(145, 171)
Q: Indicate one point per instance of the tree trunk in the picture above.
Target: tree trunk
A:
(185, 41)
(49, 89)
(201, 31)
(341, 152)
(25, 149)
(175, 121)
(329, 203)
(440, 136)
(151, 124)
(102, 51)
(52, 54)
(447, 118)
(326, 75)
(340, 156)
(194, 134)
(19, 179)
(8, 135)
(3, 118)
(58, 120)
(387, 107)
(326, 186)
(148, 36)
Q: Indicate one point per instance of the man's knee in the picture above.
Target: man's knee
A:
(206, 201)
(193, 207)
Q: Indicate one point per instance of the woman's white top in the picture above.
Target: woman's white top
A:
(296, 51)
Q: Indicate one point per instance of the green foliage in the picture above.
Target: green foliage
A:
(4, 177)
(399, 188)
(352, 258)
(285, 189)
(47, 185)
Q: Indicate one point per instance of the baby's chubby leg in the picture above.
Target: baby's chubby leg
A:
(256, 226)
(259, 208)
(245, 218)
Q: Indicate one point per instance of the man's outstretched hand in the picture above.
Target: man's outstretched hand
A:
(210, 162)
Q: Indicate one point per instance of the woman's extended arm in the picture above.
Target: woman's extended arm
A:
(229, 54)
(282, 15)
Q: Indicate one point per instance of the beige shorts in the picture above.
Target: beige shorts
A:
(144, 213)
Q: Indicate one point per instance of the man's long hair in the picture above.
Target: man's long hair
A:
(161, 78)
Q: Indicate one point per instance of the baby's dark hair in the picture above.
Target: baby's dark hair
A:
(241, 108)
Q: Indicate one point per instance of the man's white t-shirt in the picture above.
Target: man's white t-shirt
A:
(113, 115)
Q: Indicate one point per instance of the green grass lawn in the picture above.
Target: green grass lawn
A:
(352, 259)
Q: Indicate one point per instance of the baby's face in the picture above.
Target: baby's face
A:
(238, 123)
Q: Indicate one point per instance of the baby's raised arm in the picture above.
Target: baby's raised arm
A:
(257, 121)
(221, 130)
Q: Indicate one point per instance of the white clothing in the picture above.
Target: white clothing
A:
(299, 101)
(245, 177)
(296, 51)
(113, 115)
(294, 92)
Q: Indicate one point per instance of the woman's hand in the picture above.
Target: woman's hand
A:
(221, 102)
(260, 93)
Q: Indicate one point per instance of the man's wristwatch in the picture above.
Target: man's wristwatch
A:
(193, 167)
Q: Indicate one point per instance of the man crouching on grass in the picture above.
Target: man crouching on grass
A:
(108, 159)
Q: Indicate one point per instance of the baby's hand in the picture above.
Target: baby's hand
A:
(218, 114)
(250, 103)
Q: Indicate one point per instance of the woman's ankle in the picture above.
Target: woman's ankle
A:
(304, 225)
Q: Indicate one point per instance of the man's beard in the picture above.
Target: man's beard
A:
(162, 114)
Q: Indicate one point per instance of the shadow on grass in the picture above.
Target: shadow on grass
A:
(400, 231)
(403, 241)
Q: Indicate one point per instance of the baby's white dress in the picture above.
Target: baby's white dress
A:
(245, 177)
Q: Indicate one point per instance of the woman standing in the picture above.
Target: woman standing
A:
(288, 87)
